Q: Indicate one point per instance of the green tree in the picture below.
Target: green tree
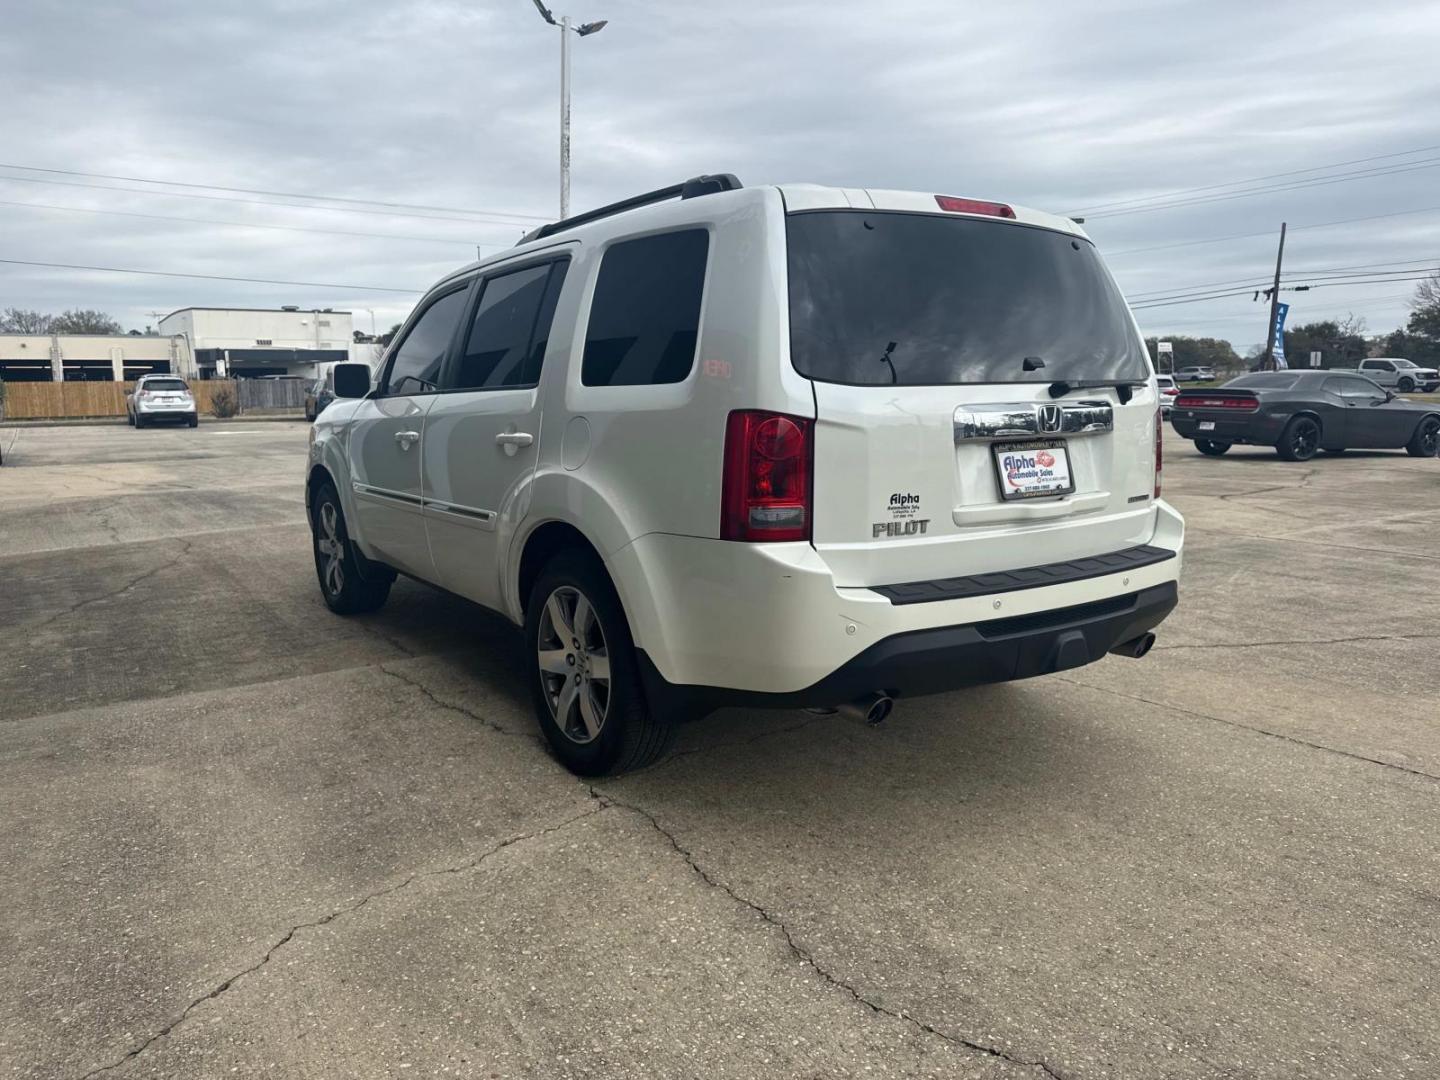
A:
(21, 321)
(84, 321)
(1189, 351)
(1340, 344)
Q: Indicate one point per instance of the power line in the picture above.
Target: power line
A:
(1168, 302)
(1358, 270)
(1293, 228)
(207, 277)
(238, 224)
(280, 194)
(1254, 179)
(258, 202)
(1298, 185)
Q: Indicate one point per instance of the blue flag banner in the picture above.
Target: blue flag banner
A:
(1281, 310)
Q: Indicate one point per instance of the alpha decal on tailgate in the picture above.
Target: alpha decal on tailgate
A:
(904, 510)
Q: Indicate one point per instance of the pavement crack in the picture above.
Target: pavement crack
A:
(331, 916)
(807, 958)
(484, 721)
(1250, 727)
(137, 580)
(1301, 641)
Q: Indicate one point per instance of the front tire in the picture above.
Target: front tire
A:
(1406, 384)
(1426, 440)
(584, 672)
(1300, 440)
(1211, 448)
(336, 561)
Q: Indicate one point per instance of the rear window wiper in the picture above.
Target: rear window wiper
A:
(1124, 388)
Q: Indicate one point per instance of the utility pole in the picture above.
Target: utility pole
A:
(583, 30)
(1269, 362)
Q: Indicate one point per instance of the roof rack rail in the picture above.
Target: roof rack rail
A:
(690, 189)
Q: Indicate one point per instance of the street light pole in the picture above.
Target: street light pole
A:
(564, 117)
(583, 30)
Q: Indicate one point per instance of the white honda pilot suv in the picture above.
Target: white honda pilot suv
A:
(780, 446)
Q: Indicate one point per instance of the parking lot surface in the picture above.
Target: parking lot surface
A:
(242, 836)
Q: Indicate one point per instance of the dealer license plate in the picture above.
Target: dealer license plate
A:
(1031, 470)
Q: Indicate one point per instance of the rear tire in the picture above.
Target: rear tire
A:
(1426, 440)
(575, 630)
(195, 421)
(1300, 440)
(337, 562)
(1211, 448)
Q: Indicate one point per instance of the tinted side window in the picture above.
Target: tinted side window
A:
(416, 366)
(506, 342)
(645, 318)
(1354, 388)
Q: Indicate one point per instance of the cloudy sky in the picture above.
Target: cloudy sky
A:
(1071, 107)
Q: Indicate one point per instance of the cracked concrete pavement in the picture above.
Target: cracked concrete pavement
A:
(244, 837)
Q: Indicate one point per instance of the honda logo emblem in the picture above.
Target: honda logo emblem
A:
(1051, 417)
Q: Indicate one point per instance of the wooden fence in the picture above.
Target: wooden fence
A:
(271, 395)
(74, 400)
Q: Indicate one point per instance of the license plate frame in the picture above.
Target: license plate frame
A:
(1008, 489)
(1207, 425)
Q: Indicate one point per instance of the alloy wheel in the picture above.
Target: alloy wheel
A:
(330, 545)
(574, 664)
(1304, 439)
(1430, 438)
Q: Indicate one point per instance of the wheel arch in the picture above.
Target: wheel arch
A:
(541, 544)
(318, 475)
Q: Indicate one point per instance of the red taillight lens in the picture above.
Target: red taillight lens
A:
(1159, 450)
(973, 206)
(766, 489)
(144, 394)
(1201, 401)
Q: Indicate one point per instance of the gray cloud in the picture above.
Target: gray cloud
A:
(1060, 106)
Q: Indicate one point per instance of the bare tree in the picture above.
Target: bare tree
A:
(1427, 293)
(84, 321)
(21, 321)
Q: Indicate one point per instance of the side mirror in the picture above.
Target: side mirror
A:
(351, 380)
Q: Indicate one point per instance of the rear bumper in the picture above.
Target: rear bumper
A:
(1257, 429)
(179, 411)
(766, 623)
(947, 658)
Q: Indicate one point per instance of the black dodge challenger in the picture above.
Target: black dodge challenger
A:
(1300, 412)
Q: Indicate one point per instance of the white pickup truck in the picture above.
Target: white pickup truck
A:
(1396, 374)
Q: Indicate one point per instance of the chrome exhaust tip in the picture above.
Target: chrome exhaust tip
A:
(1136, 647)
(873, 708)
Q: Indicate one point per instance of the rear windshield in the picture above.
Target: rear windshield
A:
(963, 300)
(165, 384)
(1268, 380)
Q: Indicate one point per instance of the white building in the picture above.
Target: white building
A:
(93, 357)
(250, 342)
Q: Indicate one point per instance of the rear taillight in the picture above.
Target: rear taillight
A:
(1159, 451)
(767, 483)
(144, 395)
(1200, 401)
(973, 206)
